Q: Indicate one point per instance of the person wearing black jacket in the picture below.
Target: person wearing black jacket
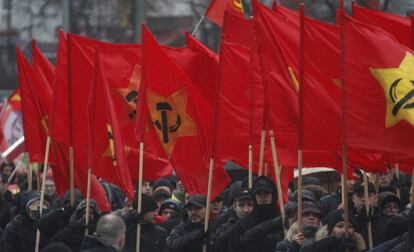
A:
(153, 237)
(54, 221)
(242, 207)
(261, 230)
(20, 234)
(189, 235)
(73, 234)
(331, 237)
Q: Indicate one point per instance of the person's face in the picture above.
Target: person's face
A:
(339, 229)
(310, 219)
(263, 197)
(216, 207)
(33, 210)
(196, 214)
(243, 207)
(7, 170)
(167, 213)
(391, 209)
(180, 186)
(359, 200)
(149, 217)
(91, 214)
(50, 188)
(384, 179)
(147, 188)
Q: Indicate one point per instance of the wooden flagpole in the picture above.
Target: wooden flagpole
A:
(277, 177)
(29, 175)
(42, 192)
(208, 206)
(250, 166)
(139, 207)
(344, 148)
(266, 169)
(367, 207)
(262, 147)
(88, 198)
(397, 174)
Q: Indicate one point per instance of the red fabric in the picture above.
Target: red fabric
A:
(80, 178)
(397, 26)
(59, 119)
(237, 29)
(107, 145)
(215, 11)
(232, 112)
(34, 130)
(321, 87)
(183, 117)
(122, 73)
(370, 55)
(199, 64)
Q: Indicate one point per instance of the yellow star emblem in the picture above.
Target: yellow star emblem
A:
(110, 152)
(237, 5)
(398, 85)
(169, 117)
(129, 95)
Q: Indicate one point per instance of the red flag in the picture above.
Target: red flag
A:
(377, 90)
(107, 143)
(80, 178)
(232, 112)
(59, 116)
(397, 26)
(215, 11)
(43, 64)
(199, 64)
(122, 73)
(237, 29)
(33, 124)
(181, 121)
(278, 41)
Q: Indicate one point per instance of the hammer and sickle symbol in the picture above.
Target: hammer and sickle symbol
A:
(132, 97)
(403, 102)
(163, 126)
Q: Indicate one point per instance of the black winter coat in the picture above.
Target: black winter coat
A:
(223, 235)
(257, 232)
(188, 237)
(20, 234)
(153, 238)
(93, 244)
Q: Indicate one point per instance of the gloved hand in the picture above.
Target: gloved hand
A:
(68, 209)
(138, 218)
(206, 237)
(346, 242)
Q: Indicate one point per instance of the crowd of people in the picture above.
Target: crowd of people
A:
(240, 219)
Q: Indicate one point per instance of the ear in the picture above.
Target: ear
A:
(234, 205)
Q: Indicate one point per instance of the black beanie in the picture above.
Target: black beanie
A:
(148, 203)
(333, 218)
(162, 182)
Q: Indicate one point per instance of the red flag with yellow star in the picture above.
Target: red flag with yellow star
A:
(378, 90)
(175, 121)
(107, 145)
(397, 26)
(216, 9)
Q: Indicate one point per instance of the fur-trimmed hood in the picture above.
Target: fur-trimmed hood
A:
(359, 241)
